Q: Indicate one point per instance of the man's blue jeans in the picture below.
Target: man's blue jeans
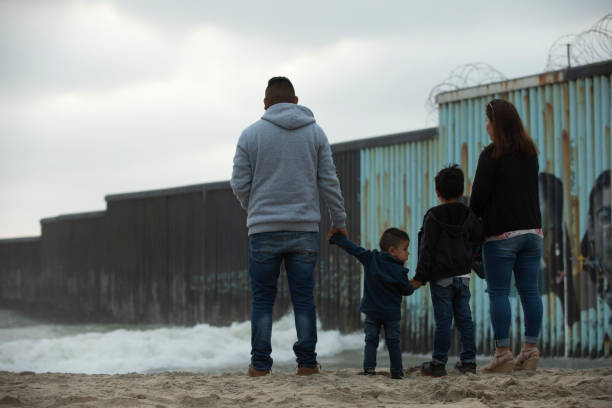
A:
(298, 251)
(448, 302)
(522, 255)
(392, 338)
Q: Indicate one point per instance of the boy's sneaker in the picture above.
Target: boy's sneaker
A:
(466, 367)
(369, 372)
(432, 369)
(397, 375)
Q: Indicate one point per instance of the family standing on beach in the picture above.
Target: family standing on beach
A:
(283, 166)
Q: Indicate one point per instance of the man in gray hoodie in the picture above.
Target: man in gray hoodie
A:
(283, 164)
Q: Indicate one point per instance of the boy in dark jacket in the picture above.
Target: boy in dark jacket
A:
(385, 282)
(447, 238)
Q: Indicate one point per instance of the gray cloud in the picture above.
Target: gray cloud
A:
(100, 97)
(49, 46)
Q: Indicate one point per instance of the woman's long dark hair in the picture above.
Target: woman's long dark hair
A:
(509, 134)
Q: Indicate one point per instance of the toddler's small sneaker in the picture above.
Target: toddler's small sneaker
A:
(432, 369)
(466, 367)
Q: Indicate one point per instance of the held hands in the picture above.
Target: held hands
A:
(333, 231)
(415, 284)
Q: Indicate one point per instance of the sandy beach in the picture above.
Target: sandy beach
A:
(342, 388)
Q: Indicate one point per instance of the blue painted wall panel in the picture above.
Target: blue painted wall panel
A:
(570, 123)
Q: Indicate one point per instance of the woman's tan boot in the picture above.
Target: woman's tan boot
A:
(527, 359)
(503, 362)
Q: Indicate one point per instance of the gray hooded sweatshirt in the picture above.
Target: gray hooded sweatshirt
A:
(283, 163)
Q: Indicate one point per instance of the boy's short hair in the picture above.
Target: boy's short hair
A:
(449, 182)
(280, 89)
(392, 238)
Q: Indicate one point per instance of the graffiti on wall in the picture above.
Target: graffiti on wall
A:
(557, 257)
(596, 246)
(595, 255)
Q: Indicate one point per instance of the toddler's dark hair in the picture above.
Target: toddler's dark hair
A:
(392, 238)
(449, 182)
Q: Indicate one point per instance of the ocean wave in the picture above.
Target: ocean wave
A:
(103, 350)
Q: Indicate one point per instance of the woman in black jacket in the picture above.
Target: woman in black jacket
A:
(505, 196)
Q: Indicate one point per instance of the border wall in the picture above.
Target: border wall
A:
(179, 255)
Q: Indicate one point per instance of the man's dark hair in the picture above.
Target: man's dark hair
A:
(280, 89)
(449, 182)
(392, 238)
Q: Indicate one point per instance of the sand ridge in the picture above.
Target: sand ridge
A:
(341, 388)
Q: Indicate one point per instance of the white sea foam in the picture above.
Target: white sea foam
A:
(102, 349)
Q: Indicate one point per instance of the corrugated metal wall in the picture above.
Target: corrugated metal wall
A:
(338, 276)
(570, 122)
(175, 256)
(72, 254)
(396, 192)
(180, 255)
(19, 270)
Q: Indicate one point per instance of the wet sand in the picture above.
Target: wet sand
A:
(341, 388)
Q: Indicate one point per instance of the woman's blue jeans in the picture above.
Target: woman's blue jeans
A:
(298, 251)
(522, 255)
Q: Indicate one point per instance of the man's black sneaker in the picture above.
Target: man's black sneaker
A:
(368, 372)
(397, 376)
(466, 367)
(432, 369)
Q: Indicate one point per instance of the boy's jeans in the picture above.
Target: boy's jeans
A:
(392, 338)
(522, 255)
(449, 301)
(298, 250)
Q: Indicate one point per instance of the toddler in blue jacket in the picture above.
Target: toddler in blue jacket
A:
(385, 282)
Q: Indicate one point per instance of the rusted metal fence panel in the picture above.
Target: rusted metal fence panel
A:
(19, 270)
(338, 275)
(568, 116)
(175, 256)
(396, 189)
(72, 254)
(179, 256)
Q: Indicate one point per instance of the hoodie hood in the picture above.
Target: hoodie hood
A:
(289, 115)
(452, 217)
(390, 258)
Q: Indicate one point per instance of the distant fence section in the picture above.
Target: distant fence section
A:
(19, 270)
(180, 255)
(176, 256)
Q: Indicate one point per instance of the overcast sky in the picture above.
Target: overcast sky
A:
(101, 97)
